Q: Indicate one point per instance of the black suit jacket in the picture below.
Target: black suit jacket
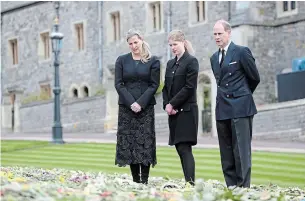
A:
(181, 82)
(136, 83)
(237, 79)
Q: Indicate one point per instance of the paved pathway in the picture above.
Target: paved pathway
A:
(203, 141)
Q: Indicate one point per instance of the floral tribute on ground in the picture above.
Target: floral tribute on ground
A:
(29, 183)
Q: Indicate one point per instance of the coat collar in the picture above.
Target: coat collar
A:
(181, 61)
(229, 54)
(228, 57)
(184, 56)
(227, 47)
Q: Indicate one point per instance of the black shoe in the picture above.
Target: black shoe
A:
(190, 183)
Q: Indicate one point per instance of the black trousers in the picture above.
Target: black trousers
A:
(234, 136)
(187, 161)
(140, 173)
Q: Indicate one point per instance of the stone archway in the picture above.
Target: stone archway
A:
(206, 95)
(111, 119)
(10, 117)
(204, 103)
(73, 91)
(85, 90)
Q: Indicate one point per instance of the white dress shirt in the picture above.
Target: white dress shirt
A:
(226, 49)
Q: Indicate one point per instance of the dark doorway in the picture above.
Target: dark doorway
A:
(86, 91)
(75, 93)
(13, 97)
(206, 112)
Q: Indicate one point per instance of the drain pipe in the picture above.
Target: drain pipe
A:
(100, 34)
(169, 17)
(229, 13)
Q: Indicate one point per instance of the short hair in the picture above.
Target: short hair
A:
(226, 25)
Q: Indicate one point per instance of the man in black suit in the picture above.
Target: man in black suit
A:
(237, 78)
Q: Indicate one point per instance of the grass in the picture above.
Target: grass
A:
(11, 145)
(283, 169)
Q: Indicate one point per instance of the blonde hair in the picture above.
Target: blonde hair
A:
(178, 35)
(145, 50)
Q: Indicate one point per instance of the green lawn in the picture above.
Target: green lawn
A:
(283, 169)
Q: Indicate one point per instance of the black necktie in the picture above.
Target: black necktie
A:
(222, 56)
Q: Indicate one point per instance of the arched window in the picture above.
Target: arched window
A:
(75, 93)
(85, 91)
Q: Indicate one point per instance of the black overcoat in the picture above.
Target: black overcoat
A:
(180, 91)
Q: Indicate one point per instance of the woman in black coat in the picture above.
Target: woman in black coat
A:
(180, 101)
(137, 77)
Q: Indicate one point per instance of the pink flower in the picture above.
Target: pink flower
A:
(105, 194)
(132, 195)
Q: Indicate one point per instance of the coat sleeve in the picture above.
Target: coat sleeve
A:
(122, 91)
(248, 64)
(211, 62)
(146, 97)
(165, 92)
(190, 85)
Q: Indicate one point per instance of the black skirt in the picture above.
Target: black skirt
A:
(136, 139)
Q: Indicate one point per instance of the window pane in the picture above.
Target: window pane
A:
(197, 11)
(14, 56)
(16, 51)
(114, 27)
(154, 16)
(78, 37)
(292, 5)
(240, 5)
(118, 26)
(285, 6)
(203, 10)
(159, 5)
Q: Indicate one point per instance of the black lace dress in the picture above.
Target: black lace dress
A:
(136, 140)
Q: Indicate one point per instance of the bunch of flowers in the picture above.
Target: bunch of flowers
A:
(26, 183)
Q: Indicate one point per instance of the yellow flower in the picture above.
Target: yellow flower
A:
(3, 174)
(10, 175)
(86, 191)
(25, 187)
(19, 179)
(61, 179)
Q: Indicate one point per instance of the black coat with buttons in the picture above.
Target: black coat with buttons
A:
(180, 91)
(236, 79)
(136, 82)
